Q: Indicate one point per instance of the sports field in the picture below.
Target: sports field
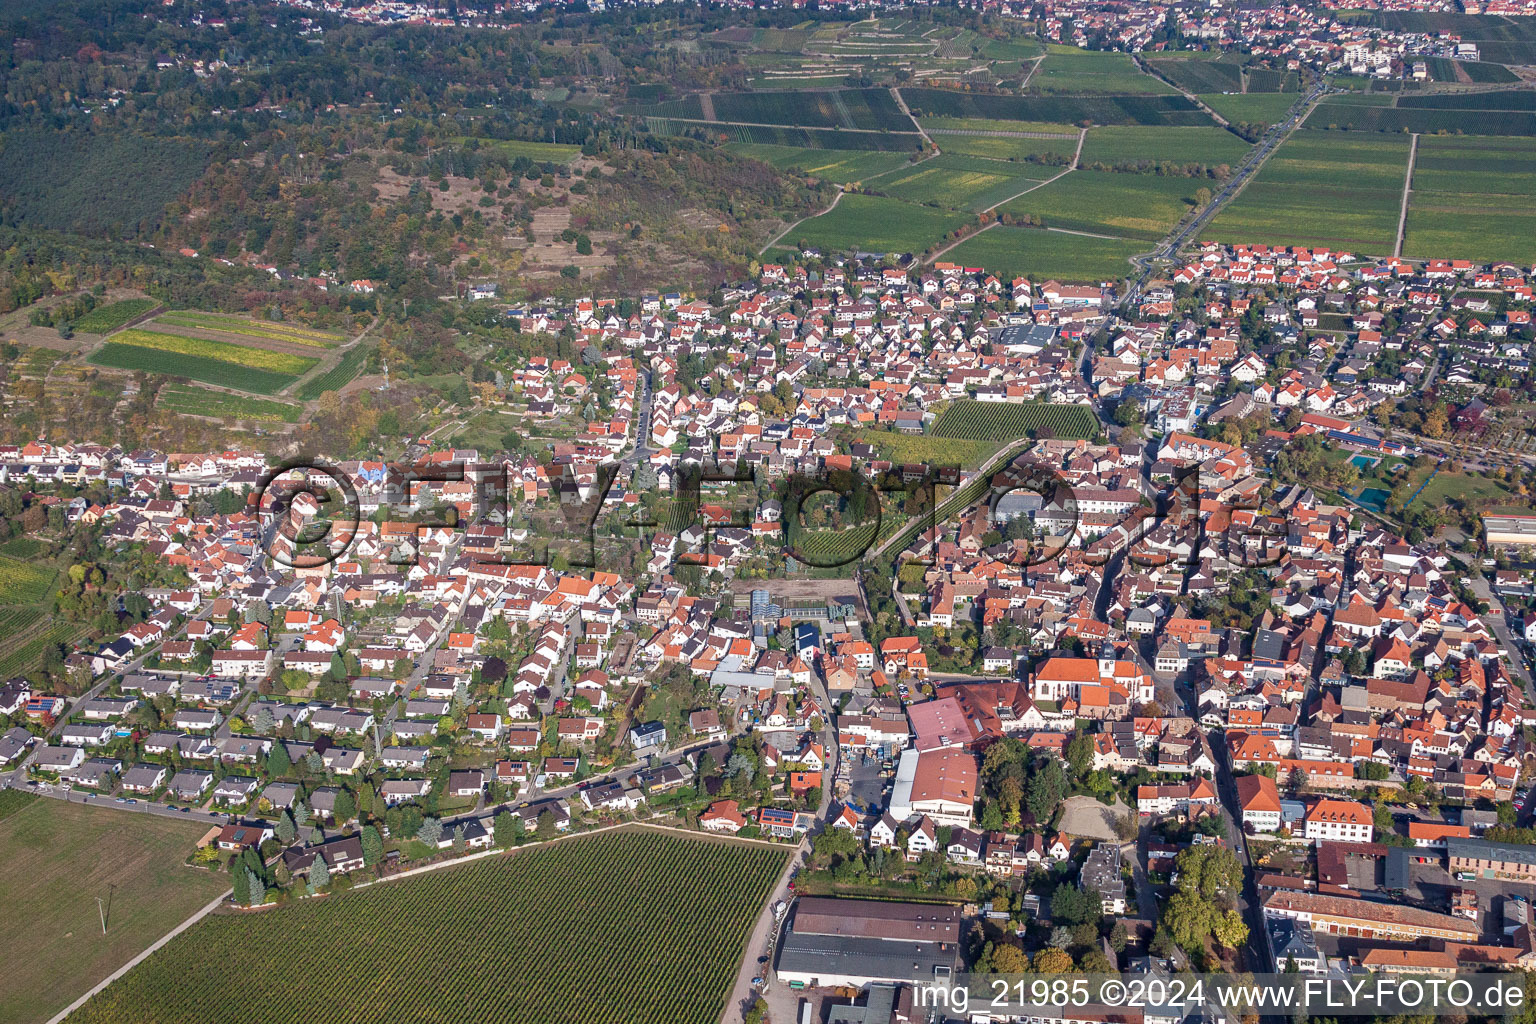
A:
(55, 859)
(629, 927)
(1322, 189)
(876, 224)
(1012, 252)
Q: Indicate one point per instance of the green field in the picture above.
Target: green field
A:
(225, 352)
(1056, 109)
(926, 449)
(297, 334)
(110, 317)
(1011, 148)
(195, 401)
(1250, 108)
(1121, 145)
(875, 224)
(1322, 189)
(55, 859)
(982, 124)
(1001, 422)
(1143, 206)
(799, 138)
(1263, 80)
(630, 927)
(542, 152)
(209, 371)
(870, 109)
(337, 377)
(1065, 70)
(841, 166)
(960, 182)
(1012, 252)
(1514, 99)
(1426, 120)
(1200, 72)
(25, 582)
(1473, 197)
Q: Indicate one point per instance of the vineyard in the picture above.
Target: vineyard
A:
(24, 582)
(21, 654)
(202, 348)
(296, 334)
(628, 927)
(830, 548)
(1161, 110)
(209, 371)
(194, 401)
(336, 378)
(109, 318)
(1006, 421)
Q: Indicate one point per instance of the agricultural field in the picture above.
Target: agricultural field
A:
(1012, 252)
(1001, 422)
(1199, 72)
(1049, 155)
(25, 582)
(1474, 197)
(630, 927)
(876, 224)
(960, 182)
(112, 316)
(55, 859)
(1250, 108)
(1513, 99)
(20, 653)
(541, 152)
(1069, 70)
(296, 334)
(1322, 189)
(195, 401)
(337, 377)
(1133, 144)
(1140, 109)
(258, 370)
(1143, 206)
(926, 449)
(840, 166)
(828, 549)
(982, 124)
(799, 138)
(1263, 80)
(1425, 120)
(869, 109)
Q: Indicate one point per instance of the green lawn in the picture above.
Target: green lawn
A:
(1039, 255)
(875, 224)
(841, 166)
(1141, 206)
(55, 859)
(542, 152)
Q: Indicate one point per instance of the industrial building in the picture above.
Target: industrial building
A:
(829, 942)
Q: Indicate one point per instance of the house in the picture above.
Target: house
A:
(723, 816)
(648, 738)
(341, 856)
(235, 789)
(1341, 821)
(238, 836)
(466, 783)
(1259, 798)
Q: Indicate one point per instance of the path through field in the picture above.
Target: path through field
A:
(1402, 213)
(1082, 133)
